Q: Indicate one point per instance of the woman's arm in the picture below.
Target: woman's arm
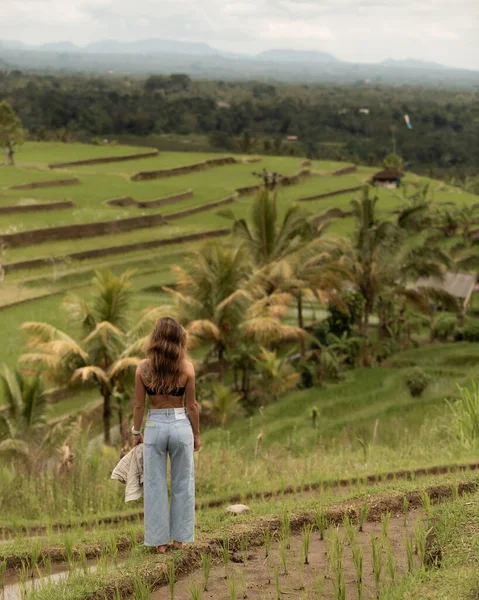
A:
(139, 408)
(192, 405)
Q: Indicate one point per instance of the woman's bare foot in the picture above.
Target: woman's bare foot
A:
(161, 549)
(177, 545)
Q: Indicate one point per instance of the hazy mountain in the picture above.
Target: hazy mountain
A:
(200, 60)
(151, 47)
(58, 47)
(412, 63)
(303, 56)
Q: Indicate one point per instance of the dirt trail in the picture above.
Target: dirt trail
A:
(259, 573)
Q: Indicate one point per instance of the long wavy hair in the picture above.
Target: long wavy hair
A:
(166, 350)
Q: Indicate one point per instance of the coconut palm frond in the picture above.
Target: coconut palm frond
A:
(266, 330)
(204, 329)
(104, 331)
(12, 390)
(42, 333)
(85, 374)
(15, 448)
(123, 365)
(79, 311)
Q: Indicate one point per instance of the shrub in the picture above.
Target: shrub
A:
(444, 327)
(468, 333)
(416, 381)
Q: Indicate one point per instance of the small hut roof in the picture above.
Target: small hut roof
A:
(389, 174)
(458, 285)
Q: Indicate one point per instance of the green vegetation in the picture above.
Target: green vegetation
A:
(321, 368)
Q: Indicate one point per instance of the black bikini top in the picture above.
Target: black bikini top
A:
(178, 392)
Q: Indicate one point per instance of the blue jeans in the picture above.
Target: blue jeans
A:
(168, 431)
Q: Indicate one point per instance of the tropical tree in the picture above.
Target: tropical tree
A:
(107, 354)
(277, 374)
(207, 296)
(313, 272)
(394, 161)
(265, 237)
(223, 403)
(25, 412)
(12, 133)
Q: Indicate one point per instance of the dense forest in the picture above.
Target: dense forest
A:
(360, 123)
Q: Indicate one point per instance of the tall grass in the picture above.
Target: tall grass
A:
(463, 417)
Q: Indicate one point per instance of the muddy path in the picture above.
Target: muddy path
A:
(259, 578)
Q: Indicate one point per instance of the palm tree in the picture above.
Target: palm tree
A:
(105, 356)
(264, 236)
(25, 412)
(207, 297)
(223, 405)
(313, 272)
(277, 374)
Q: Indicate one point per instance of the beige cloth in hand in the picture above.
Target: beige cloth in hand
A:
(130, 471)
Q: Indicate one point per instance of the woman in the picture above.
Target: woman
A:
(168, 377)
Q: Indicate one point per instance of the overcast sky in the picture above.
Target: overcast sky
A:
(444, 31)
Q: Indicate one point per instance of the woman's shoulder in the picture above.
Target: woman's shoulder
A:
(187, 367)
(144, 367)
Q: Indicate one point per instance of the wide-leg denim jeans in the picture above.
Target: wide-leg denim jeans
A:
(168, 432)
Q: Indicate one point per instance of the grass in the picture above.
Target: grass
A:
(351, 406)
(213, 531)
(453, 558)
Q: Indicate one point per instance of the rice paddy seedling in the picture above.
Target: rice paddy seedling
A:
(69, 550)
(426, 502)
(142, 589)
(35, 556)
(318, 585)
(358, 561)
(277, 587)
(455, 491)
(321, 521)
(336, 564)
(232, 590)
(83, 559)
(283, 557)
(206, 565)
(286, 528)
(195, 591)
(405, 507)
(363, 515)
(300, 570)
(225, 553)
(242, 584)
(112, 548)
(420, 541)
(391, 564)
(171, 579)
(47, 565)
(350, 530)
(3, 572)
(376, 547)
(244, 545)
(267, 541)
(409, 552)
(385, 518)
(306, 542)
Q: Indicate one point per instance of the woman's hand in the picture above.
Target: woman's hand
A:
(137, 439)
(197, 442)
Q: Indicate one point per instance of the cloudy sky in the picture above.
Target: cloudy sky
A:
(360, 30)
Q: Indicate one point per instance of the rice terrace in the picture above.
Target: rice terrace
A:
(280, 251)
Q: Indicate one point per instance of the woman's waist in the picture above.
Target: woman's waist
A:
(159, 414)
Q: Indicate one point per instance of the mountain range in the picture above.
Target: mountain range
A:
(202, 60)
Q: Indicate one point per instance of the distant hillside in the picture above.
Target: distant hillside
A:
(200, 60)
(297, 56)
(412, 63)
